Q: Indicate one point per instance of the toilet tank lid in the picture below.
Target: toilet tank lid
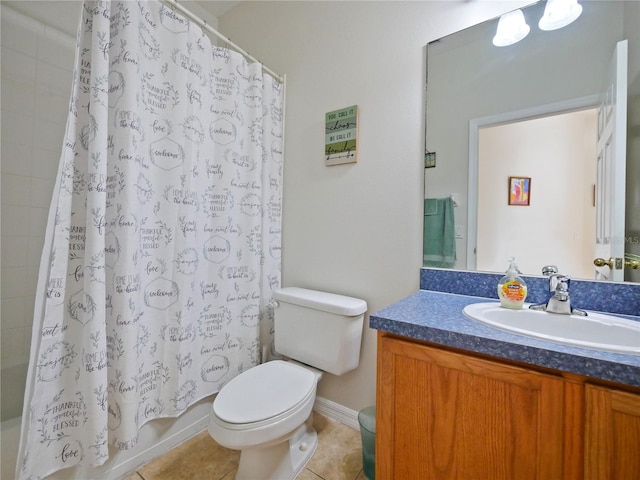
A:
(327, 302)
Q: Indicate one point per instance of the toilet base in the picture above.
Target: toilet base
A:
(282, 460)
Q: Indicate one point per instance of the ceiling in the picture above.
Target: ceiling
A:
(58, 13)
(218, 7)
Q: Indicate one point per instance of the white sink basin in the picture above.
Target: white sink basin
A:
(599, 331)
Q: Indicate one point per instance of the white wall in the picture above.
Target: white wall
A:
(353, 229)
(558, 153)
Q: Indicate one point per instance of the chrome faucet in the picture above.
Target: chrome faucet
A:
(560, 301)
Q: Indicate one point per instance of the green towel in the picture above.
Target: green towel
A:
(430, 206)
(439, 248)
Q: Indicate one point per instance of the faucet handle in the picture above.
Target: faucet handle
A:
(549, 270)
(563, 284)
(559, 282)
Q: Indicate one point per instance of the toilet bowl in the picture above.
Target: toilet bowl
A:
(274, 434)
(266, 411)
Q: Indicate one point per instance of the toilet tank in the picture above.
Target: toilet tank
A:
(320, 329)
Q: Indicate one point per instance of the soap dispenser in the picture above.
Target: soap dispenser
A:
(512, 290)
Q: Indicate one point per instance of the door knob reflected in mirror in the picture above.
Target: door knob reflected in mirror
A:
(632, 264)
(601, 262)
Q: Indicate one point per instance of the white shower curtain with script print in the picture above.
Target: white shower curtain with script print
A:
(163, 242)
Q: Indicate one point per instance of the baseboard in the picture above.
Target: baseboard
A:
(337, 412)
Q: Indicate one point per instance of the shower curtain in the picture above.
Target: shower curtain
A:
(163, 243)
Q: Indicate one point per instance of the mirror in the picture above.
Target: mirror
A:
(474, 87)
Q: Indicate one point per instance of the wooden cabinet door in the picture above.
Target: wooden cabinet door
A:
(444, 415)
(612, 434)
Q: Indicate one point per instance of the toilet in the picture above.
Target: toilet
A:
(266, 411)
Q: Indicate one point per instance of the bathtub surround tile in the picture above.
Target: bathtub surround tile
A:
(15, 312)
(38, 221)
(48, 135)
(15, 37)
(50, 105)
(16, 158)
(26, 347)
(15, 346)
(11, 344)
(13, 219)
(41, 192)
(32, 280)
(46, 162)
(16, 190)
(14, 250)
(18, 66)
(18, 126)
(56, 47)
(36, 71)
(54, 79)
(21, 99)
(338, 457)
(12, 383)
(14, 281)
(35, 244)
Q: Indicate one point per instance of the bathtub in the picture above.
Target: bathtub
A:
(156, 438)
(9, 438)
(12, 380)
(12, 387)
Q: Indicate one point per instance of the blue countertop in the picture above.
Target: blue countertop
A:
(437, 317)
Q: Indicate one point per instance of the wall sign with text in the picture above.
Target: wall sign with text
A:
(341, 136)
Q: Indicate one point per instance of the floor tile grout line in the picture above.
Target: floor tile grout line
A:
(323, 424)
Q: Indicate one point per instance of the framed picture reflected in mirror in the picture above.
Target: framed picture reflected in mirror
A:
(519, 191)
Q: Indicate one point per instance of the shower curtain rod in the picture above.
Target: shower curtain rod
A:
(203, 24)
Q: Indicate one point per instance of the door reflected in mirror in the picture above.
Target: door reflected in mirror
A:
(558, 153)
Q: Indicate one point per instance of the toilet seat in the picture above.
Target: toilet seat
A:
(280, 386)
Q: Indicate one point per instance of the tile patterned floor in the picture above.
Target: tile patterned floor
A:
(338, 457)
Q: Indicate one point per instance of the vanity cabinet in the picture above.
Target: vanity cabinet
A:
(612, 434)
(444, 414)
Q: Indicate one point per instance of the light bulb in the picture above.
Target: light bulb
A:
(512, 28)
(559, 13)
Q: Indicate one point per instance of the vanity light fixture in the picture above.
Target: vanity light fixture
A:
(559, 13)
(512, 28)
